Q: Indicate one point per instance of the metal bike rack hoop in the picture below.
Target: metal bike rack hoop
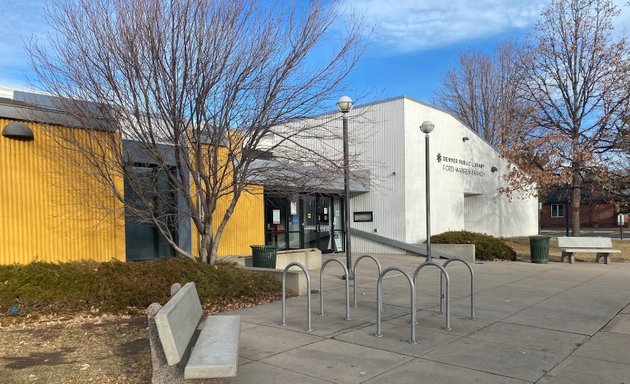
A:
(308, 297)
(472, 283)
(354, 273)
(379, 299)
(321, 288)
(443, 273)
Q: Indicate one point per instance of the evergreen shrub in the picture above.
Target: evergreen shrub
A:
(486, 247)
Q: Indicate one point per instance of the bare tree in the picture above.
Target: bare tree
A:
(197, 87)
(577, 76)
(483, 92)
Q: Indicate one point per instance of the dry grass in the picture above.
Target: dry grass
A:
(521, 246)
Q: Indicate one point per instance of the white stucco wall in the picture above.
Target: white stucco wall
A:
(464, 190)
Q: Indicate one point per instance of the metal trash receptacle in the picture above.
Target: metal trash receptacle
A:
(539, 249)
(264, 256)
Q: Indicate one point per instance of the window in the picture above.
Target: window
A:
(363, 216)
(148, 189)
(557, 210)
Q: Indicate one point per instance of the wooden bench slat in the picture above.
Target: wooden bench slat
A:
(216, 352)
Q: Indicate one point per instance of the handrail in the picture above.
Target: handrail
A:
(379, 300)
(321, 288)
(472, 284)
(354, 273)
(445, 274)
(308, 297)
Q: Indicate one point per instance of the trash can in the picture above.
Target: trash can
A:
(264, 256)
(539, 249)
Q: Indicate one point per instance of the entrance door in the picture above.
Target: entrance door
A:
(317, 223)
(309, 222)
(324, 221)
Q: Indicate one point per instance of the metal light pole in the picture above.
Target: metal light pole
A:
(345, 105)
(426, 128)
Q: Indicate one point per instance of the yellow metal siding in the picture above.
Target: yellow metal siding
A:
(246, 226)
(43, 217)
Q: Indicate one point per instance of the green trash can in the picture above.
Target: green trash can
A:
(264, 256)
(539, 249)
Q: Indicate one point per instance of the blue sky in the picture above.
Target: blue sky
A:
(413, 43)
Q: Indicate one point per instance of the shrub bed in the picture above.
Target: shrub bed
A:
(45, 288)
(486, 247)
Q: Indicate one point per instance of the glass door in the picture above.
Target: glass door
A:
(317, 220)
(294, 223)
(276, 222)
(337, 227)
(309, 221)
(324, 224)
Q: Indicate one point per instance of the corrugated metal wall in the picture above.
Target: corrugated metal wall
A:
(44, 212)
(382, 141)
(246, 226)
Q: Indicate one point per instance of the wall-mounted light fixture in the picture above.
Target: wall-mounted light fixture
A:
(494, 169)
(465, 139)
(18, 131)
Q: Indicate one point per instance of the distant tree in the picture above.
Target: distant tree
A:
(483, 92)
(210, 81)
(577, 77)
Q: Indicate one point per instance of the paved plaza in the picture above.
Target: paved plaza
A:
(535, 323)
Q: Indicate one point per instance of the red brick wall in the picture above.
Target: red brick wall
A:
(591, 216)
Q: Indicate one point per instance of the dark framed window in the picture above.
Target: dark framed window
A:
(365, 216)
(148, 189)
(557, 210)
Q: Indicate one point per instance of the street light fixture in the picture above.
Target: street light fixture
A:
(345, 105)
(426, 128)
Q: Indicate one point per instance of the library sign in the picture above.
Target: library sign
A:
(462, 166)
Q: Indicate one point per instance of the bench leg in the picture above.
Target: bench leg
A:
(569, 255)
(604, 255)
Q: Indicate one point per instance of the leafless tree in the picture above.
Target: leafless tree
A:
(202, 90)
(577, 77)
(483, 92)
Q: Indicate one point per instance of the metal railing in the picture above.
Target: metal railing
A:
(379, 300)
(354, 273)
(321, 288)
(443, 273)
(308, 297)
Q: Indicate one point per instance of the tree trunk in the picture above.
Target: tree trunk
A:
(203, 246)
(576, 194)
(214, 251)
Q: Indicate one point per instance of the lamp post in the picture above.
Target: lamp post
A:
(345, 105)
(426, 128)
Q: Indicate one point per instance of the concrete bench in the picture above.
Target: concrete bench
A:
(601, 246)
(180, 352)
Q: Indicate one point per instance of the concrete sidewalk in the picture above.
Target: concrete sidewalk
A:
(535, 323)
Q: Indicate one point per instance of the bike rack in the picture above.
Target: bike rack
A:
(472, 284)
(379, 299)
(354, 273)
(321, 288)
(442, 274)
(308, 297)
